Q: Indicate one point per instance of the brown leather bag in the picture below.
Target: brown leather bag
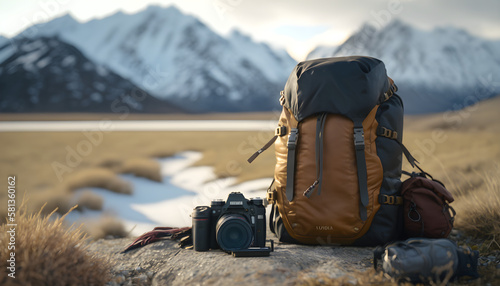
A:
(426, 209)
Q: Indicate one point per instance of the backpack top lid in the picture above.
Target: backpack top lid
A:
(350, 86)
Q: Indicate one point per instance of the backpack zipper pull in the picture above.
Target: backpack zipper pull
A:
(309, 190)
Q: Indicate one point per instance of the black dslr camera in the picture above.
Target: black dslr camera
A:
(236, 226)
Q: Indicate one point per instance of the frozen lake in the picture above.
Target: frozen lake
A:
(170, 202)
(139, 125)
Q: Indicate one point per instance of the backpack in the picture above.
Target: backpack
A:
(427, 260)
(338, 155)
(426, 209)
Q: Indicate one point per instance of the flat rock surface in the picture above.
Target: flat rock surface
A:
(164, 263)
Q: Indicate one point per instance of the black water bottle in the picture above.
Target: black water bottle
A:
(201, 228)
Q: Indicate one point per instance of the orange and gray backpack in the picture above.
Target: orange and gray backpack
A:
(338, 155)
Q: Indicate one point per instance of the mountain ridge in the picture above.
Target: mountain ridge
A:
(45, 74)
(435, 70)
(175, 56)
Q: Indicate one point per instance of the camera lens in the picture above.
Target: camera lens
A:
(234, 232)
(201, 228)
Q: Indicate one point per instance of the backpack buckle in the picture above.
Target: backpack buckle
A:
(359, 138)
(282, 98)
(387, 96)
(389, 133)
(293, 138)
(280, 131)
(390, 200)
(271, 196)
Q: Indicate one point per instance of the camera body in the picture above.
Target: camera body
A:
(232, 225)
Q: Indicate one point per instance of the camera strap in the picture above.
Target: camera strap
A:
(160, 233)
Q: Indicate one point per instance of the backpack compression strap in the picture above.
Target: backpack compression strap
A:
(290, 164)
(392, 134)
(359, 146)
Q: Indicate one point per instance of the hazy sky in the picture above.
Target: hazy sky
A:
(295, 25)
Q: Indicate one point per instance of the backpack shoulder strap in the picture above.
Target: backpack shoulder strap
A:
(359, 147)
(290, 164)
(392, 134)
(293, 138)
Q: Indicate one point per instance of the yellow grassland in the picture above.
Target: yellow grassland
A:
(462, 149)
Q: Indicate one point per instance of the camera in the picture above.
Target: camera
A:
(237, 225)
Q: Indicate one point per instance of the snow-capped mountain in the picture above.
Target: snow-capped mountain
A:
(175, 56)
(438, 70)
(47, 75)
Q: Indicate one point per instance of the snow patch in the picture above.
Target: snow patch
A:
(6, 52)
(68, 61)
(170, 202)
(28, 60)
(172, 165)
(99, 86)
(88, 66)
(95, 96)
(102, 71)
(73, 85)
(43, 62)
(32, 46)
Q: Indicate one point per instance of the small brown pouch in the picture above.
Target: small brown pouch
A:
(426, 207)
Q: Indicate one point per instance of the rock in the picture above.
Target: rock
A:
(119, 279)
(163, 263)
(140, 280)
(125, 273)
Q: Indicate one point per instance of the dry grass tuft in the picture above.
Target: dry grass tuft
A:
(98, 178)
(479, 210)
(143, 167)
(163, 153)
(49, 254)
(111, 163)
(105, 226)
(90, 200)
(50, 201)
